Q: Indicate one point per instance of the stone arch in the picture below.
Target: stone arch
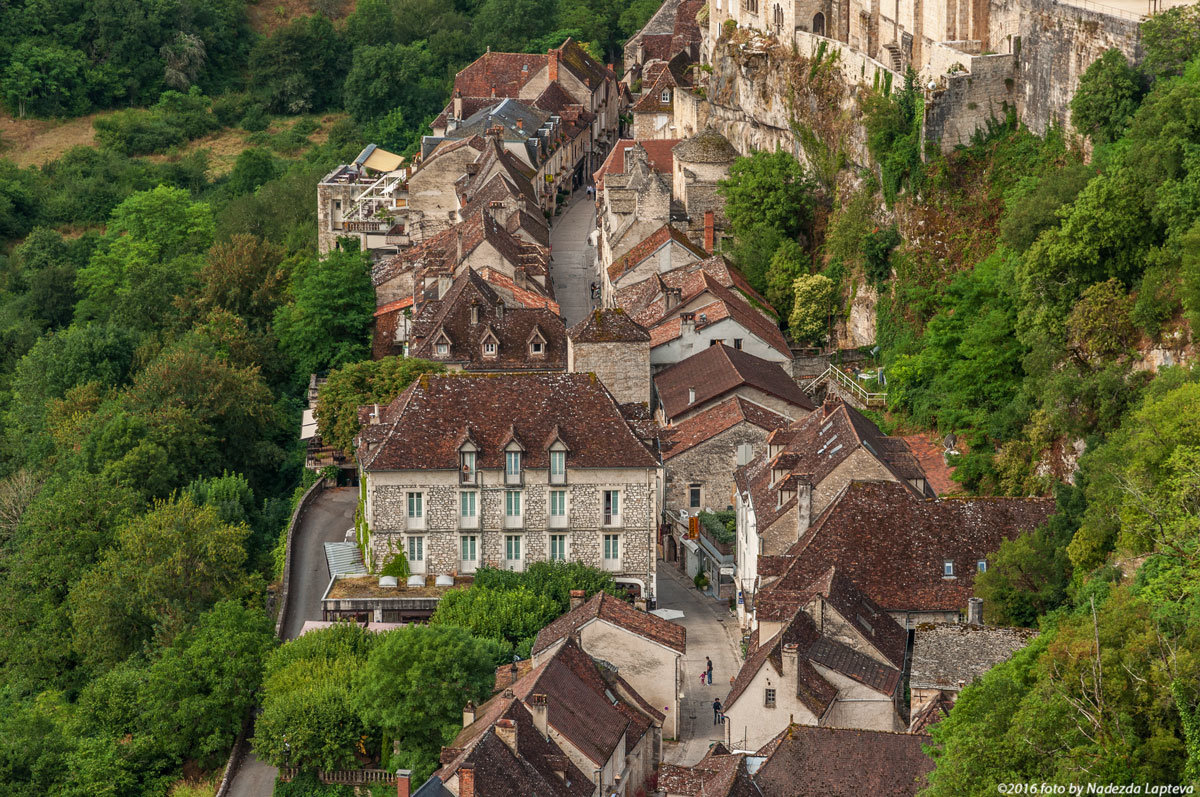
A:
(818, 26)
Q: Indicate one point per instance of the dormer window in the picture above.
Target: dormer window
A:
(948, 568)
(537, 348)
(441, 349)
(666, 95)
(489, 349)
(512, 466)
(981, 565)
(491, 345)
(467, 459)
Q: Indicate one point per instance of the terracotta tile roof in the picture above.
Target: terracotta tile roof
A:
(646, 301)
(718, 371)
(705, 425)
(419, 428)
(608, 326)
(603, 606)
(930, 453)
(931, 713)
(658, 154)
(512, 330)
(807, 761)
(577, 706)
(854, 665)
(951, 656)
(526, 297)
(657, 46)
(721, 775)
(509, 674)
(499, 74)
(892, 544)
(583, 66)
(856, 608)
(391, 307)
(532, 769)
(647, 247)
(727, 305)
(503, 190)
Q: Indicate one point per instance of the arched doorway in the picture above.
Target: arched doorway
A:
(818, 24)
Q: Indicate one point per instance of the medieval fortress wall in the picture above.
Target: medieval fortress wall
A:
(976, 60)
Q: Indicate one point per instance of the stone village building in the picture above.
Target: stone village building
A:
(505, 469)
(947, 657)
(644, 649)
(781, 492)
(569, 727)
(823, 655)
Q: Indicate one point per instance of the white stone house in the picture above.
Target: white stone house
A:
(503, 470)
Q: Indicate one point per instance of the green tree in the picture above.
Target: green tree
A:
(246, 276)
(167, 568)
(328, 322)
(1106, 98)
(415, 684)
(1099, 326)
(390, 76)
(771, 189)
(814, 302)
(492, 26)
(45, 80)
(299, 68)
(789, 262)
(511, 615)
(149, 255)
(358, 384)
(254, 166)
(1170, 39)
(554, 580)
(893, 123)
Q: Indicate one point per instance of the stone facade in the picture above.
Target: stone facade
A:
(387, 517)
(622, 366)
(710, 464)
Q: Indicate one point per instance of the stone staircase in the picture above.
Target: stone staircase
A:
(895, 58)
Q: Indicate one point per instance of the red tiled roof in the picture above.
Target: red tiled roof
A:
(526, 297)
(648, 246)
(892, 544)
(715, 775)
(719, 370)
(658, 155)
(727, 305)
(930, 453)
(808, 761)
(707, 424)
(499, 74)
(391, 307)
(420, 427)
(603, 606)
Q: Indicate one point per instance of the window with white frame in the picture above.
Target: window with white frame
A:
(558, 508)
(981, 565)
(512, 551)
(416, 554)
(416, 510)
(467, 459)
(536, 348)
(468, 510)
(612, 507)
(512, 508)
(948, 568)
(489, 349)
(558, 547)
(442, 349)
(558, 467)
(666, 95)
(468, 553)
(512, 467)
(612, 551)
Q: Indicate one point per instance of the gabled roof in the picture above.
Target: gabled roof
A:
(643, 249)
(726, 304)
(812, 690)
(808, 761)
(716, 775)
(707, 424)
(646, 301)
(892, 544)
(418, 428)
(532, 769)
(587, 69)
(854, 665)
(608, 326)
(499, 74)
(603, 606)
(718, 371)
(658, 152)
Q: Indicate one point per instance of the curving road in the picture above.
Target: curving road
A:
(327, 519)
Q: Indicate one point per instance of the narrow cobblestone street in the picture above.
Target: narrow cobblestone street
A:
(572, 268)
(711, 631)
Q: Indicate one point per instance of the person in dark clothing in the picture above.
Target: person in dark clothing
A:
(706, 658)
(717, 718)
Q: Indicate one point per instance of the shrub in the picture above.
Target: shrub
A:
(721, 525)
(255, 120)
(137, 132)
(700, 580)
(230, 108)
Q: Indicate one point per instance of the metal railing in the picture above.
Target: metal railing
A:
(1100, 8)
(848, 382)
(349, 777)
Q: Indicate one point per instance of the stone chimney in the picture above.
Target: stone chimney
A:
(458, 105)
(403, 782)
(468, 713)
(975, 611)
(708, 231)
(520, 277)
(791, 659)
(554, 56)
(687, 323)
(466, 780)
(639, 603)
(458, 236)
(576, 598)
(506, 729)
(673, 297)
(537, 707)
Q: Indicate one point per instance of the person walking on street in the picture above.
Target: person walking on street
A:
(717, 719)
(706, 658)
(702, 676)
